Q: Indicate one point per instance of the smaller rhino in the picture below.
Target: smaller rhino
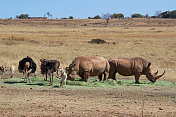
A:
(86, 66)
(132, 66)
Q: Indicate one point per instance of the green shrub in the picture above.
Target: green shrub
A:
(119, 15)
(168, 14)
(22, 16)
(97, 17)
(136, 16)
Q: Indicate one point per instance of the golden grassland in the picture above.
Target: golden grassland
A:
(152, 39)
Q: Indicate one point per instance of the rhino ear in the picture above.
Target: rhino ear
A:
(67, 69)
(72, 65)
(42, 60)
(149, 64)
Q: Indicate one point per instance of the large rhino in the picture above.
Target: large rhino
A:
(88, 66)
(132, 66)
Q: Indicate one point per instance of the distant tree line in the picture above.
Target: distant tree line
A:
(168, 14)
(70, 17)
(158, 14)
(108, 16)
(96, 17)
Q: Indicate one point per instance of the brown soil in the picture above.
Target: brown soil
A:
(87, 102)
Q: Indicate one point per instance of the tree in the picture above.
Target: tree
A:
(107, 17)
(147, 16)
(157, 13)
(119, 15)
(97, 17)
(136, 16)
(44, 16)
(70, 17)
(173, 14)
(63, 18)
(165, 15)
(22, 16)
(168, 14)
(90, 17)
(49, 15)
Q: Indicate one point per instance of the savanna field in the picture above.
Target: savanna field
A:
(65, 39)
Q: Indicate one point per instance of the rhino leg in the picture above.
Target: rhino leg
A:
(105, 76)
(112, 75)
(100, 77)
(137, 78)
(86, 76)
(82, 76)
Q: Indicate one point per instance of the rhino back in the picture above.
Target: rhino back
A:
(129, 66)
(95, 65)
(99, 65)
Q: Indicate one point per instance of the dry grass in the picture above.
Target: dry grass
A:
(153, 39)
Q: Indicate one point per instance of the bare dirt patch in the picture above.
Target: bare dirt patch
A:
(81, 101)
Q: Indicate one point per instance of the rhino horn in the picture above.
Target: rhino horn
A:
(157, 77)
(156, 73)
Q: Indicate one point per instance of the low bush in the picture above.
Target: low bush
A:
(98, 41)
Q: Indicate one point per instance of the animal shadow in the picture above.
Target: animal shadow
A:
(38, 84)
(22, 82)
(57, 86)
(13, 82)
